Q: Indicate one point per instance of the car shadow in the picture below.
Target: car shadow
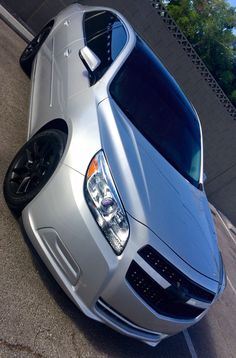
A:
(104, 339)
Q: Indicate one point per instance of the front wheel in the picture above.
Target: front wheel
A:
(32, 167)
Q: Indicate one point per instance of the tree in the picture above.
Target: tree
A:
(209, 25)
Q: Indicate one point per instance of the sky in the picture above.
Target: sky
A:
(232, 2)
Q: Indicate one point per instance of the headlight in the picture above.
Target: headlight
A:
(104, 203)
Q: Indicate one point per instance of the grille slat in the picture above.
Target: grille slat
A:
(173, 275)
(161, 300)
(171, 301)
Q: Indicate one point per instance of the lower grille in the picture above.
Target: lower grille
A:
(168, 302)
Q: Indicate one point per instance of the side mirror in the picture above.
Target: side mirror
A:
(89, 59)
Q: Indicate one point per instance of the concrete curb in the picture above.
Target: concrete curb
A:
(15, 24)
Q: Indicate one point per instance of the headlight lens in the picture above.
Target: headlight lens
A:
(105, 204)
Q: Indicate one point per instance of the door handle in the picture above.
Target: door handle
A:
(67, 52)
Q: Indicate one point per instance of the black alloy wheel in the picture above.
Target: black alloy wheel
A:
(32, 167)
(31, 50)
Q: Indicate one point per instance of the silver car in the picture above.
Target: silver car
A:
(110, 182)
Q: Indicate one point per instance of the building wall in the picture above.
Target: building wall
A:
(216, 113)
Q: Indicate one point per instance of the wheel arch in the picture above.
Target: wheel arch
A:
(57, 123)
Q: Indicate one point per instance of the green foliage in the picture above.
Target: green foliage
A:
(233, 96)
(209, 25)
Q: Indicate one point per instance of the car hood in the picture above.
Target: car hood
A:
(156, 195)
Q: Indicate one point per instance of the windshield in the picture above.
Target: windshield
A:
(153, 102)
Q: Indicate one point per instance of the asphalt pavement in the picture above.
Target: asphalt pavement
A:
(36, 317)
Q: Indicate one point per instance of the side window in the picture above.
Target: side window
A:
(105, 36)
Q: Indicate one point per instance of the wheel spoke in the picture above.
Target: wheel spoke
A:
(29, 156)
(16, 180)
(20, 172)
(28, 50)
(36, 150)
(22, 188)
(39, 38)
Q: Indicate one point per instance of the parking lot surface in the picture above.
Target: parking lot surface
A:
(36, 317)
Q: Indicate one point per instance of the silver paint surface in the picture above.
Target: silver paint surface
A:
(163, 209)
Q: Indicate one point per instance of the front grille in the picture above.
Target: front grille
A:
(171, 301)
(163, 301)
(175, 277)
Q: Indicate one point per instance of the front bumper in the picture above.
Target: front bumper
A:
(66, 236)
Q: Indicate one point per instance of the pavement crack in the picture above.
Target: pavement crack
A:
(19, 348)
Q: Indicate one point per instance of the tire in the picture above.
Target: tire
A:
(31, 50)
(32, 167)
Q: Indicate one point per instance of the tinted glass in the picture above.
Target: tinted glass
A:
(105, 36)
(154, 103)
